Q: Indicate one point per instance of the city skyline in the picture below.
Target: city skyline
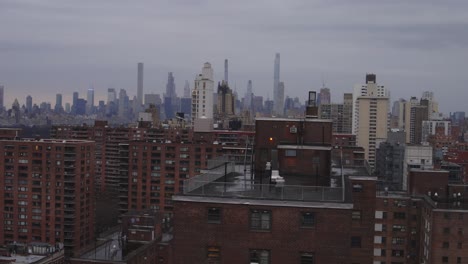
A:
(409, 48)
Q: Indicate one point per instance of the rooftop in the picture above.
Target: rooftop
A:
(21, 259)
(57, 141)
(279, 119)
(239, 182)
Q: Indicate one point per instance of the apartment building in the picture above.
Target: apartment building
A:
(48, 193)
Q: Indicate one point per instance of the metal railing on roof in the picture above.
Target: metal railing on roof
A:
(220, 170)
(265, 191)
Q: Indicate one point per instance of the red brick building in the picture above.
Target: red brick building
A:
(295, 146)
(397, 228)
(230, 220)
(48, 192)
(152, 172)
(140, 167)
(248, 230)
(424, 225)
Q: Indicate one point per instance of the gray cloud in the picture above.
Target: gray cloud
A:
(65, 45)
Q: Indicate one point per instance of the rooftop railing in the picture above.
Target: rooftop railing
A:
(264, 191)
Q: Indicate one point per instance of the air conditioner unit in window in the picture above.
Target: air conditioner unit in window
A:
(293, 129)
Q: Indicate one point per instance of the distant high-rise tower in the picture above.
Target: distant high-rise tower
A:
(90, 101)
(370, 116)
(370, 88)
(29, 103)
(432, 105)
(202, 95)
(123, 103)
(2, 102)
(415, 113)
(58, 103)
(225, 100)
(170, 86)
(170, 98)
(226, 77)
(75, 103)
(341, 114)
(280, 105)
(278, 97)
(111, 101)
(324, 96)
(248, 96)
(140, 83)
(187, 89)
(111, 95)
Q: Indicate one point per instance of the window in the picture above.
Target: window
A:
(447, 215)
(214, 215)
(445, 245)
(446, 230)
(260, 219)
(380, 215)
(356, 215)
(398, 240)
(444, 259)
(307, 258)
(398, 253)
(355, 242)
(357, 188)
(290, 153)
(213, 255)
(399, 228)
(307, 219)
(259, 256)
(459, 260)
(399, 215)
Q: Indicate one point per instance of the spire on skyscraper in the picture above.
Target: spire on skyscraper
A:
(226, 77)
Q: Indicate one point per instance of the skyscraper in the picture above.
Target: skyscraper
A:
(187, 89)
(90, 101)
(432, 105)
(225, 100)
(226, 77)
(75, 103)
(170, 98)
(111, 95)
(2, 90)
(278, 97)
(170, 86)
(58, 103)
(123, 103)
(140, 83)
(280, 105)
(370, 88)
(29, 103)
(370, 116)
(202, 95)
(341, 114)
(324, 96)
(248, 96)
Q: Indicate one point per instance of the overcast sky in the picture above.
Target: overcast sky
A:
(51, 46)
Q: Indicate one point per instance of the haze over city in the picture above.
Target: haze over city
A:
(55, 46)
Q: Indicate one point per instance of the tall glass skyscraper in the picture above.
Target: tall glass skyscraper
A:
(278, 96)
